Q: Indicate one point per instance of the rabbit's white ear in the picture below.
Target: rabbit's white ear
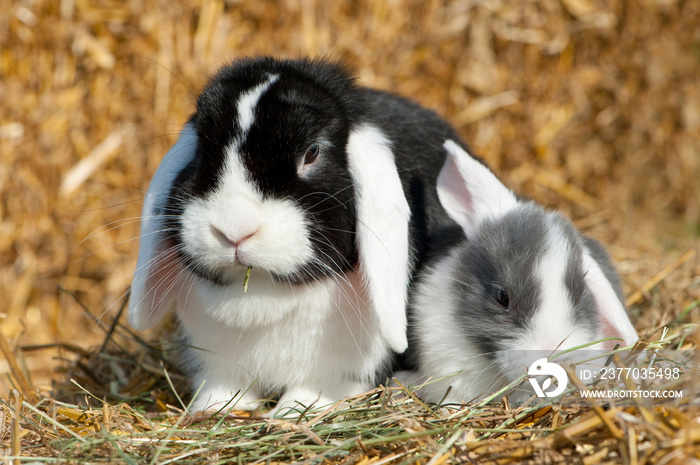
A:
(383, 215)
(612, 316)
(469, 192)
(158, 277)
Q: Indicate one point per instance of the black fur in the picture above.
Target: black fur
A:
(314, 100)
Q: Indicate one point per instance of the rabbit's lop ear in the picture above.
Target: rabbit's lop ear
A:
(470, 192)
(158, 277)
(612, 316)
(383, 215)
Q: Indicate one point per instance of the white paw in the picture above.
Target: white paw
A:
(297, 401)
(213, 400)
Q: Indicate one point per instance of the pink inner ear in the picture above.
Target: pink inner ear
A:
(455, 196)
(608, 330)
(612, 315)
(470, 192)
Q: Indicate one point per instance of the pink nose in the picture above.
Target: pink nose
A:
(231, 241)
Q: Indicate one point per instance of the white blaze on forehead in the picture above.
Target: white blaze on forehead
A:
(235, 180)
(552, 321)
(249, 100)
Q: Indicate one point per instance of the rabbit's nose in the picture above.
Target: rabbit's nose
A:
(232, 239)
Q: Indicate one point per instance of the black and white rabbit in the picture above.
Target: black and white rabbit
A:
(327, 190)
(524, 279)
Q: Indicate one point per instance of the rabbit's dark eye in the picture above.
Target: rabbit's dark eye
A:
(311, 154)
(501, 296)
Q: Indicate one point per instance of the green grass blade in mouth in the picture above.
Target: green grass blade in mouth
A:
(246, 279)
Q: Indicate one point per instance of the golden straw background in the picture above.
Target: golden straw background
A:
(591, 107)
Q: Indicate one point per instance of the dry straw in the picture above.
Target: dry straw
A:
(104, 412)
(589, 106)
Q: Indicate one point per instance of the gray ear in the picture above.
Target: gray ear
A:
(158, 278)
(382, 230)
(469, 192)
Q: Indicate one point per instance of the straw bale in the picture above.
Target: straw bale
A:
(588, 106)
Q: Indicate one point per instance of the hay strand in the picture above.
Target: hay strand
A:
(639, 294)
(81, 172)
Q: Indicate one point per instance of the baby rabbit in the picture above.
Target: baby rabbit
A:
(320, 189)
(524, 279)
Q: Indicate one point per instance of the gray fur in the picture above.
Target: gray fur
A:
(505, 254)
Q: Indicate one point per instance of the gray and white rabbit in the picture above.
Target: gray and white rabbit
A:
(524, 279)
(325, 191)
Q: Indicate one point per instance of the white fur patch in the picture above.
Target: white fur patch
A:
(552, 321)
(382, 230)
(248, 102)
(318, 339)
